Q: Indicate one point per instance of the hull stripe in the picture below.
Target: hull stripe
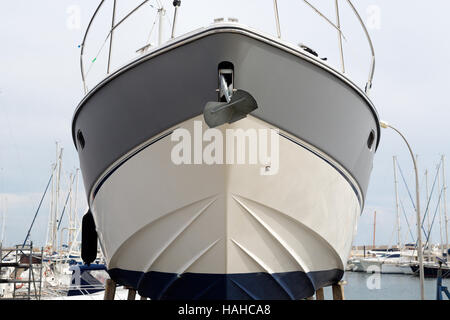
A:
(246, 286)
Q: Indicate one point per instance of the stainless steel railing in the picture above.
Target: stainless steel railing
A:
(159, 6)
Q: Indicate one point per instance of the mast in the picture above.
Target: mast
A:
(440, 214)
(75, 214)
(444, 185)
(2, 208)
(428, 200)
(55, 198)
(50, 215)
(69, 230)
(374, 228)
(4, 212)
(397, 208)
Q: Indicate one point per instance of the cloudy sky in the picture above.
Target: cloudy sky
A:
(40, 86)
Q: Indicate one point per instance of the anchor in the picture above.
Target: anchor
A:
(239, 104)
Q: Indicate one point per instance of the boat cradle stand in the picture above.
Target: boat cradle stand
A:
(110, 291)
(337, 289)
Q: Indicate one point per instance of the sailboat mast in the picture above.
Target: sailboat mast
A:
(48, 238)
(397, 208)
(69, 233)
(4, 212)
(440, 213)
(374, 228)
(445, 204)
(57, 179)
(428, 200)
(2, 208)
(74, 214)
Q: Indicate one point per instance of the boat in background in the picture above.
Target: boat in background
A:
(388, 263)
(431, 270)
(197, 229)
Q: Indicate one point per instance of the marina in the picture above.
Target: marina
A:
(213, 154)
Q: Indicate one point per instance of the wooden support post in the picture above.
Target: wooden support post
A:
(338, 291)
(110, 289)
(319, 294)
(131, 294)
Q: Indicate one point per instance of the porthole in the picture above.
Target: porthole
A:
(371, 140)
(80, 138)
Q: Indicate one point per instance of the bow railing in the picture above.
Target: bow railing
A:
(158, 6)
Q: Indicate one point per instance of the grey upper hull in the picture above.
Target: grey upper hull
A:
(293, 92)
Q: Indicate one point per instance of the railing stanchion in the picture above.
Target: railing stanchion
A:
(176, 4)
(111, 35)
(341, 49)
(372, 68)
(277, 18)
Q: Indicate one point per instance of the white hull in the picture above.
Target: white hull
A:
(386, 267)
(160, 223)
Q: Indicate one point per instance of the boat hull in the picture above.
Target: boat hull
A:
(432, 271)
(226, 231)
(385, 267)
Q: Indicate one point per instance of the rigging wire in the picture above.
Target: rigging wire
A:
(65, 204)
(407, 221)
(109, 35)
(406, 185)
(152, 29)
(434, 217)
(430, 196)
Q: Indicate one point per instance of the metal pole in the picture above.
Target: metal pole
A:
(74, 215)
(58, 180)
(374, 228)
(397, 208)
(372, 67)
(341, 49)
(440, 214)
(419, 220)
(175, 15)
(277, 18)
(445, 205)
(3, 209)
(161, 12)
(428, 199)
(111, 36)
